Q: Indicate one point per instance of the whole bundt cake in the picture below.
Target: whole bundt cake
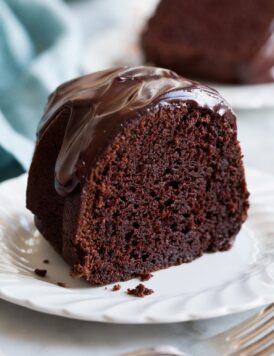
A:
(218, 40)
(136, 169)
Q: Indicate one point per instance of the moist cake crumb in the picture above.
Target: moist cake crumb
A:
(145, 276)
(40, 272)
(140, 291)
(116, 287)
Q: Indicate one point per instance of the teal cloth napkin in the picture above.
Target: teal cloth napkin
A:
(40, 47)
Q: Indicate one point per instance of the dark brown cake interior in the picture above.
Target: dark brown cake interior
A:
(170, 188)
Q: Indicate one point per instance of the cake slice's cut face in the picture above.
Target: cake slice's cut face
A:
(169, 188)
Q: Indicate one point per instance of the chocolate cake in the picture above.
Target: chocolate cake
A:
(136, 169)
(218, 40)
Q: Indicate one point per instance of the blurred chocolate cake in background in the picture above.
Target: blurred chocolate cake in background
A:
(228, 41)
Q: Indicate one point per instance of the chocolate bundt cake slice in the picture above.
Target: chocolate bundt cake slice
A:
(136, 169)
(217, 40)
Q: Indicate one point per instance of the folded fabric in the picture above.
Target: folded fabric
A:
(39, 49)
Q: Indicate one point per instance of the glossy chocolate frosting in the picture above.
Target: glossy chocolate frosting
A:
(100, 104)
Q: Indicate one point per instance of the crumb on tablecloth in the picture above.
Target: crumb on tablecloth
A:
(116, 287)
(46, 261)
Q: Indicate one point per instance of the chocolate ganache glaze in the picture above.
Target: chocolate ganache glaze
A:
(103, 102)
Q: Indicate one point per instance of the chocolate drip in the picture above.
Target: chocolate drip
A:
(102, 103)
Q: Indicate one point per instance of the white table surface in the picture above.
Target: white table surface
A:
(26, 332)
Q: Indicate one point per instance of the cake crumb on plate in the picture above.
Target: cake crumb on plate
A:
(116, 287)
(140, 291)
(40, 272)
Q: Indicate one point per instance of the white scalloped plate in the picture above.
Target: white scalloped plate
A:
(213, 285)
